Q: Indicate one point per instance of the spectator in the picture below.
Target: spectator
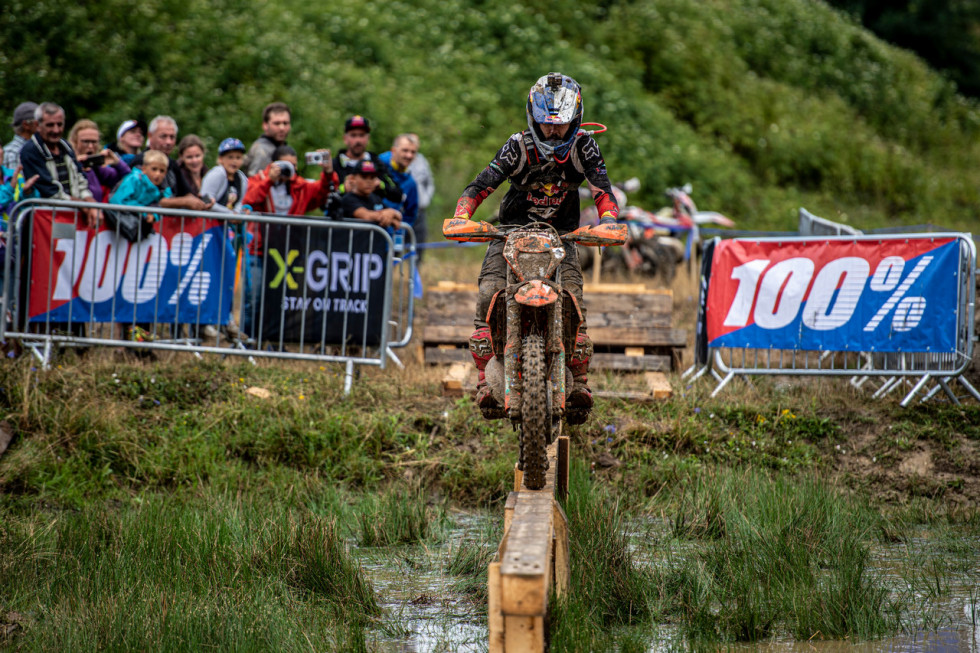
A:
(163, 137)
(226, 185)
(225, 182)
(422, 174)
(13, 188)
(24, 124)
(278, 189)
(145, 186)
(129, 140)
(276, 123)
(190, 162)
(102, 178)
(398, 159)
(357, 134)
(50, 157)
(362, 202)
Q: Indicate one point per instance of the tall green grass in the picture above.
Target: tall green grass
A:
(166, 575)
(777, 555)
(398, 516)
(609, 590)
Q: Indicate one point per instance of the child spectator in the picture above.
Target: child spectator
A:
(227, 185)
(144, 187)
(225, 182)
(361, 202)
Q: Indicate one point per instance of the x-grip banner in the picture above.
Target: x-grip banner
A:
(183, 272)
(324, 284)
(890, 295)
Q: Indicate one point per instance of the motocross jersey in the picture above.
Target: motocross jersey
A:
(542, 190)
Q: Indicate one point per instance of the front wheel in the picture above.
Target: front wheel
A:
(535, 412)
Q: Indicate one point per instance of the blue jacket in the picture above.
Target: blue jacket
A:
(136, 189)
(410, 205)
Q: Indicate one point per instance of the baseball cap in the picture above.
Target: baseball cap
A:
(357, 122)
(231, 145)
(130, 124)
(24, 111)
(365, 167)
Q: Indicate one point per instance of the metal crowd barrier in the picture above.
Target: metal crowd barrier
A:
(884, 370)
(312, 289)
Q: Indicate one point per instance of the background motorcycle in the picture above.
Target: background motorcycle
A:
(652, 246)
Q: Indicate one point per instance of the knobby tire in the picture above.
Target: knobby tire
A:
(535, 412)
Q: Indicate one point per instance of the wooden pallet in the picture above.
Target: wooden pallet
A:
(630, 327)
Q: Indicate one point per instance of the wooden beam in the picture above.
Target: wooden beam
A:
(561, 468)
(509, 510)
(561, 556)
(455, 379)
(524, 634)
(495, 618)
(659, 385)
(526, 565)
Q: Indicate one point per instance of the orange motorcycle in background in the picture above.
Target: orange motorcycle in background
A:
(533, 322)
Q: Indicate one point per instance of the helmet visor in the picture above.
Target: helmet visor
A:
(557, 107)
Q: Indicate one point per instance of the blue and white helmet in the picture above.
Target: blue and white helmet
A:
(554, 99)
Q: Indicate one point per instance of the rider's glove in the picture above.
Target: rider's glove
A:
(607, 218)
(465, 208)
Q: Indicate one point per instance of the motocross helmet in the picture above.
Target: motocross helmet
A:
(554, 99)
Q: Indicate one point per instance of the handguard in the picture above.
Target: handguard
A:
(462, 229)
(599, 235)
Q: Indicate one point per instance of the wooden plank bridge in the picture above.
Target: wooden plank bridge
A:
(532, 560)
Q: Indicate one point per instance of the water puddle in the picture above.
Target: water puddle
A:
(425, 609)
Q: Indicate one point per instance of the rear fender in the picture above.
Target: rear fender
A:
(497, 320)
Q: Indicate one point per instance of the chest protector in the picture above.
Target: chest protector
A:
(534, 171)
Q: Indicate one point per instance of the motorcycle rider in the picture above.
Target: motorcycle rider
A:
(545, 164)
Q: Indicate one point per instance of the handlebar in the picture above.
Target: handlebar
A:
(461, 229)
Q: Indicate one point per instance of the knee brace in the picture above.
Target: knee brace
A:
(481, 348)
(578, 362)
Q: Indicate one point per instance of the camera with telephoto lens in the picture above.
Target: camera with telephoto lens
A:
(317, 158)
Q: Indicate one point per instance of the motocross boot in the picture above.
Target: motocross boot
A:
(579, 402)
(482, 351)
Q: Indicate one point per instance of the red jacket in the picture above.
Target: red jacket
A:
(306, 194)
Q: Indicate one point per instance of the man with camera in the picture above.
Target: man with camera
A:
(276, 125)
(280, 189)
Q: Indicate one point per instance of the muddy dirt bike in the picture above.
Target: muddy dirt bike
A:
(533, 323)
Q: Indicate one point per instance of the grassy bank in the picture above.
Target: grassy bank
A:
(167, 507)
